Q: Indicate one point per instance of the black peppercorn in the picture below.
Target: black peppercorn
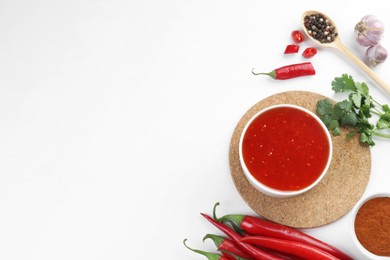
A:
(320, 28)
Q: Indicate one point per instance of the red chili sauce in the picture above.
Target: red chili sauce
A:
(285, 148)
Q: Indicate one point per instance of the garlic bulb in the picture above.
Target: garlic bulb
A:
(375, 55)
(369, 31)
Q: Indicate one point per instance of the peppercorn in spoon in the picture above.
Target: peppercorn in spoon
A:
(322, 30)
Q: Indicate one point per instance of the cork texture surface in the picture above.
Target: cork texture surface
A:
(343, 185)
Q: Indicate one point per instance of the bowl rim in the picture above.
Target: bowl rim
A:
(355, 240)
(269, 190)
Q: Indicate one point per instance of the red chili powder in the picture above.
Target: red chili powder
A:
(372, 226)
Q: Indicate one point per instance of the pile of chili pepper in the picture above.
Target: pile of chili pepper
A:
(294, 70)
(253, 238)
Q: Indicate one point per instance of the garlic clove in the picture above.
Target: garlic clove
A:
(375, 55)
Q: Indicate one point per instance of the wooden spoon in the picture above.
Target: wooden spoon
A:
(337, 44)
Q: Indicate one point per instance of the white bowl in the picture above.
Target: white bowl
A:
(355, 210)
(273, 191)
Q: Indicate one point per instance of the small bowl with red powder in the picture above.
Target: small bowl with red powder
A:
(371, 226)
(285, 150)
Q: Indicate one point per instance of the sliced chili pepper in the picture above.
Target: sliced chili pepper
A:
(255, 252)
(225, 244)
(292, 247)
(290, 71)
(262, 227)
(309, 52)
(291, 48)
(297, 36)
(209, 255)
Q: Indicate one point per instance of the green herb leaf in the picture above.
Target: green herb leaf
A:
(356, 99)
(361, 88)
(351, 134)
(324, 107)
(356, 111)
(343, 84)
(349, 119)
(367, 139)
(336, 131)
(345, 106)
(335, 127)
(386, 108)
(383, 124)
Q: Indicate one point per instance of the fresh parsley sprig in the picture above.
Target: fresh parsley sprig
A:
(356, 111)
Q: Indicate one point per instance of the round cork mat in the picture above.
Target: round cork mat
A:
(343, 185)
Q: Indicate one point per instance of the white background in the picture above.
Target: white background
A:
(116, 118)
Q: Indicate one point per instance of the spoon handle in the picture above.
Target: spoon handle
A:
(340, 46)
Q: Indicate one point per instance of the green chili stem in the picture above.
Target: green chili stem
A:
(272, 74)
(210, 256)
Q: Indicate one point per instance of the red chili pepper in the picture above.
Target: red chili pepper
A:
(225, 244)
(255, 252)
(290, 71)
(291, 48)
(228, 255)
(231, 255)
(297, 36)
(210, 256)
(261, 227)
(292, 247)
(309, 52)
